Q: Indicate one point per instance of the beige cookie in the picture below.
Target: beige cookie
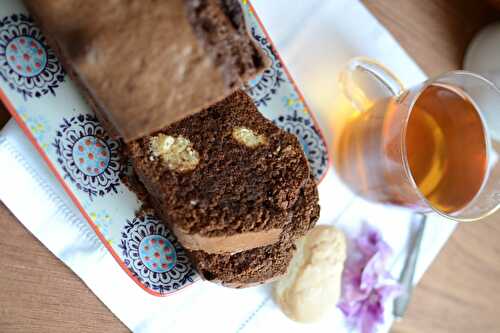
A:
(311, 287)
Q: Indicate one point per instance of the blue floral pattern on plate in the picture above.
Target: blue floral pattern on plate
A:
(153, 254)
(26, 63)
(88, 156)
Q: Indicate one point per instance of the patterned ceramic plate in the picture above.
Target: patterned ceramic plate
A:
(47, 106)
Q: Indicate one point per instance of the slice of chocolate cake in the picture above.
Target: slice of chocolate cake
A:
(141, 63)
(225, 178)
(266, 263)
(262, 264)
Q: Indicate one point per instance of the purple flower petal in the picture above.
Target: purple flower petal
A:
(389, 291)
(374, 269)
(366, 283)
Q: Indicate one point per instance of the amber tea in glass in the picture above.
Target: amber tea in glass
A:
(425, 148)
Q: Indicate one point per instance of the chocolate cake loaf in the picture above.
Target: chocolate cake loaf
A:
(141, 63)
(163, 76)
(226, 178)
(266, 263)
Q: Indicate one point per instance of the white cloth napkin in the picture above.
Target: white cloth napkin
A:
(313, 35)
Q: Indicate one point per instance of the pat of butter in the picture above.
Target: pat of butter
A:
(312, 285)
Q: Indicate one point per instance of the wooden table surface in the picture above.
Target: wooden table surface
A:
(460, 292)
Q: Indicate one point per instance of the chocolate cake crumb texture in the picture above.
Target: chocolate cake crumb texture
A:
(234, 188)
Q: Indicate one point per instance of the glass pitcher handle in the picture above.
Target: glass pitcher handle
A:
(357, 67)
